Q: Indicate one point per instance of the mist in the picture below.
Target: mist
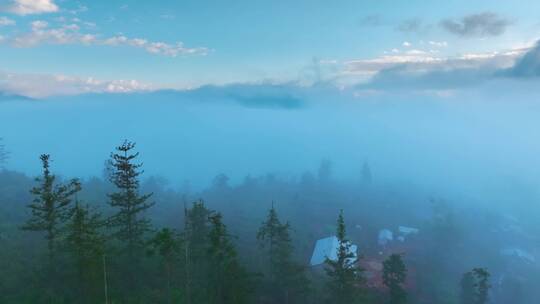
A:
(438, 176)
(476, 143)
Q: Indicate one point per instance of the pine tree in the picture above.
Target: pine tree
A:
(196, 240)
(50, 211)
(482, 277)
(475, 286)
(286, 278)
(50, 206)
(167, 245)
(129, 222)
(4, 154)
(345, 276)
(228, 280)
(468, 292)
(85, 244)
(366, 173)
(394, 276)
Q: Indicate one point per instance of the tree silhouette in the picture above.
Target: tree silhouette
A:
(394, 276)
(128, 223)
(344, 273)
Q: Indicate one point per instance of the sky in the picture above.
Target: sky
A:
(432, 91)
(65, 47)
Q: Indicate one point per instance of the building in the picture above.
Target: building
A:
(328, 248)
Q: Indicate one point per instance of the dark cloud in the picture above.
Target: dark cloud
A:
(254, 96)
(371, 21)
(4, 96)
(400, 78)
(411, 26)
(477, 25)
(260, 96)
(456, 74)
(527, 66)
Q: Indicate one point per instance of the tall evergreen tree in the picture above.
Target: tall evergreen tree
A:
(50, 206)
(345, 276)
(228, 280)
(482, 284)
(366, 173)
(394, 276)
(196, 240)
(167, 245)
(50, 211)
(287, 280)
(85, 244)
(4, 154)
(129, 223)
(468, 292)
(475, 286)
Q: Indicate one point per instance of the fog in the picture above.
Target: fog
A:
(475, 143)
(462, 165)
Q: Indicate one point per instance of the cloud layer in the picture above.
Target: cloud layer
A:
(439, 75)
(44, 85)
(527, 66)
(42, 33)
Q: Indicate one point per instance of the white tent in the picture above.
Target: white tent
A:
(385, 236)
(328, 247)
(405, 232)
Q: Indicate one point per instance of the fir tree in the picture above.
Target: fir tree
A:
(167, 245)
(366, 173)
(129, 223)
(475, 286)
(50, 206)
(345, 276)
(4, 154)
(482, 284)
(85, 244)
(228, 280)
(394, 276)
(468, 293)
(50, 211)
(196, 233)
(286, 278)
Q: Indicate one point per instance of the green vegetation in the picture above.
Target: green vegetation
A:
(127, 241)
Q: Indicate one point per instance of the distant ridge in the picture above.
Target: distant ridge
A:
(12, 97)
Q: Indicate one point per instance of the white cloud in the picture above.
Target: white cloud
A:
(39, 24)
(30, 7)
(41, 33)
(407, 44)
(439, 44)
(44, 85)
(5, 21)
(422, 61)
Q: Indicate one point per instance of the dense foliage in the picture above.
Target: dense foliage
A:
(129, 240)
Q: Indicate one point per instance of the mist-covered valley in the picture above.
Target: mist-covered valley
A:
(460, 170)
(257, 152)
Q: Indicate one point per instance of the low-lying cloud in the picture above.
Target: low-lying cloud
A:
(527, 66)
(45, 85)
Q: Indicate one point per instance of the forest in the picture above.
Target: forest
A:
(126, 238)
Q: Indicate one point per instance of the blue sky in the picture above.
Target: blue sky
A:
(121, 46)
